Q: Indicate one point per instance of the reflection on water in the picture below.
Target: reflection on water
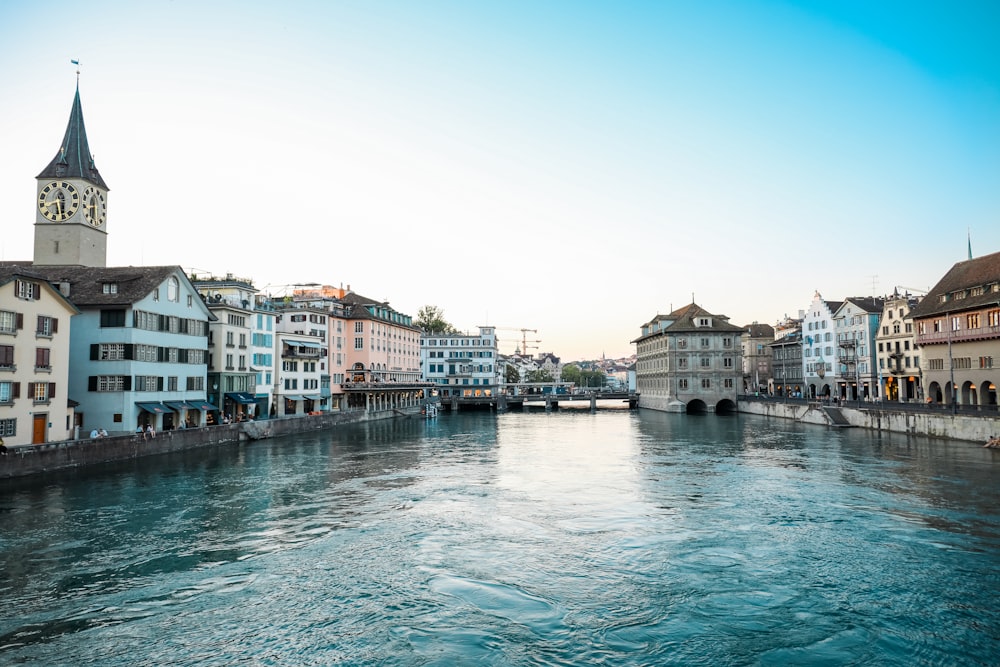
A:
(519, 539)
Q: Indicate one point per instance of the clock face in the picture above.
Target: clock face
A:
(58, 201)
(94, 206)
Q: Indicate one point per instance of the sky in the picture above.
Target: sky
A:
(570, 167)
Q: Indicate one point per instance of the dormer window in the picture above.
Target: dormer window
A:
(704, 322)
(109, 288)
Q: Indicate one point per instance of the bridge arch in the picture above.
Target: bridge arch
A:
(726, 407)
(696, 407)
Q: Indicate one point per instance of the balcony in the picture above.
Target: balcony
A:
(960, 336)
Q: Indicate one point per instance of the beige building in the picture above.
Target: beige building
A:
(34, 360)
(958, 331)
(689, 360)
(898, 354)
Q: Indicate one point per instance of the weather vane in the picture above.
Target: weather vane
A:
(77, 63)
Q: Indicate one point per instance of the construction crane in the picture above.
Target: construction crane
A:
(524, 337)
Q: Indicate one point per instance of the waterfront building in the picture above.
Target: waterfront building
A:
(819, 352)
(383, 343)
(34, 360)
(461, 365)
(301, 331)
(688, 360)
(550, 364)
(958, 331)
(755, 345)
(856, 323)
(231, 381)
(898, 353)
(137, 347)
(786, 364)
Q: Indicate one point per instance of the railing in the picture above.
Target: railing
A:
(991, 411)
(958, 336)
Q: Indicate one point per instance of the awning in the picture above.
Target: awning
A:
(303, 343)
(177, 405)
(293, 397)
(242, 397)
(203, 405)
(155, 408)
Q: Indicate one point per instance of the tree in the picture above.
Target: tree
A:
(431, 320)
(540, 375)
(511, 374)
(572, 373)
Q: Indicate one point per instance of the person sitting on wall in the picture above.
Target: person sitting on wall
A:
(102, 433)
(94, 435)
(150, 433)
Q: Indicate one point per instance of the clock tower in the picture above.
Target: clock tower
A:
(71, 206)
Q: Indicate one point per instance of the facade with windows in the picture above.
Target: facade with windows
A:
(897, 351)
(231, 382)
(689, 360)
(819, 348)
(34, 360)
(855, 325)
(958, 332)
(301, 350)
(462, 365)
(382, 344)
(138, 346)
(755, 345)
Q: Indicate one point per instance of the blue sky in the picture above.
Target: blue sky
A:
(570, 167)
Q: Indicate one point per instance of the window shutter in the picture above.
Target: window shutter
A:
(92, 383)
(130, 351)
(55, 325)
(128, 383)
(52, 390)
(15, 390)
(36, 291)
(31, 389)
(20, 321)
(159, 384)
(39, 357)
(94, 351)
(39, 325)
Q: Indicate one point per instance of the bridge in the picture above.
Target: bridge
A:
(551, 401)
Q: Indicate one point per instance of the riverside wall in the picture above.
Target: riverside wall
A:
(24, 460)
(935, 424)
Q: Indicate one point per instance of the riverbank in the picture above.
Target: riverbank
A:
(936, 424)
(25, 460)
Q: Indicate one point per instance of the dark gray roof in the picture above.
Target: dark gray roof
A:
(86, 283)
(73, 160)
(870, 304)
(684, 321)
(964, 276)
(757, 330)
(362, 313)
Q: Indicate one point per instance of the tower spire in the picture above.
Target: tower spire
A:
(73, 160)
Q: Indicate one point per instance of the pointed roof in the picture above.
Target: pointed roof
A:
(73, 160)
(968, 285)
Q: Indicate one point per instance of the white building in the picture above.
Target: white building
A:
(461, 364)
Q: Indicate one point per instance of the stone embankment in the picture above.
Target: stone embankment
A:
(26, 460)
(933, 423)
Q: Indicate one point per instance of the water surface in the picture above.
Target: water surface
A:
(533, 538)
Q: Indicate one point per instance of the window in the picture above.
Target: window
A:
(728, 383)
(172, 383)
(173, 288)
(9, 321)
(8, 427)
(727, 362)
(706, 383)
(706, 362)
(9, 391)
(27, 291)
(955, 323)
(682, 383)
(195, 383)
(148, 383)
(111, 351)
(972, 321)
(113, 318)
(359, 343)
(359, 327)
(46, 326)
(110, 383)
(42, 358)
(7, 356)
(992, 318)
(109, 288)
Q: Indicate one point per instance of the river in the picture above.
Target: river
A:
(526, 538)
